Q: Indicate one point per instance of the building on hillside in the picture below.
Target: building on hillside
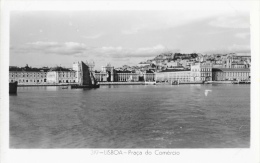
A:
(173, 64)
(217, 66)
(228, 62)
(27, 75)
(221, 74)
(239, 65)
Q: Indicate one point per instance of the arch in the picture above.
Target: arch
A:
(207, 78)
(175, 82)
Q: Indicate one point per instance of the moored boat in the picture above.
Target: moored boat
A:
(176, 82)
(13, 87)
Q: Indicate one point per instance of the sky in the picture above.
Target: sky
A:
(119, 37)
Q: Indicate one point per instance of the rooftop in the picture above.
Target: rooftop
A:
(124, 71)
(174, 70)
(27, 69)
(231, 69)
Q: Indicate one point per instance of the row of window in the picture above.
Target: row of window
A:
(26, 73)
(62, 74)
(70, 75)
(179, 74)
(28, 81)
(201, 70)
(233, 73)
(67, 81)
(230, 78)
(20, 75)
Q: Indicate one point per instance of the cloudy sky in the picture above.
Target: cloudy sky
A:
(50, 38)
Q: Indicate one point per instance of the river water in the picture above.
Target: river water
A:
(131, 116)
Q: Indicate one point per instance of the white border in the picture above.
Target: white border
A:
(83, 155)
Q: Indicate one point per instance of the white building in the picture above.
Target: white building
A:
(61, 75)
(198, 73)
(201, 72)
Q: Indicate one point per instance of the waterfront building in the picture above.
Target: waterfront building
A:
(201, 72)
(27, 75)
(220, 74)
(122, 76)
(87, 67)
(101, 76)
(125, 74)
(149, 75)
(77, 68)
(198, 73)
(61, 75)
(170, 75)
(109, 70)
(106, 74)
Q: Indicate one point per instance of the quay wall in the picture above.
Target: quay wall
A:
(37, 85)
(121, 83)
(126, 83)
(219, 82)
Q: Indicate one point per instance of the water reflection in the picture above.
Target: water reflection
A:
(52, 88)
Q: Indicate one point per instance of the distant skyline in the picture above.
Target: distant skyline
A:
(54, 38)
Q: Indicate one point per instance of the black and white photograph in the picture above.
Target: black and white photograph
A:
(131, 79)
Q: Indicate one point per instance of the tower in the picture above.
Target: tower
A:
(229, 62)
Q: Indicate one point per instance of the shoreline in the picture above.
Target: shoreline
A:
(134, 83)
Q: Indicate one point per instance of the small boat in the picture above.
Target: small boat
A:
(175, 82)
(64, 87)
(13, 87)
